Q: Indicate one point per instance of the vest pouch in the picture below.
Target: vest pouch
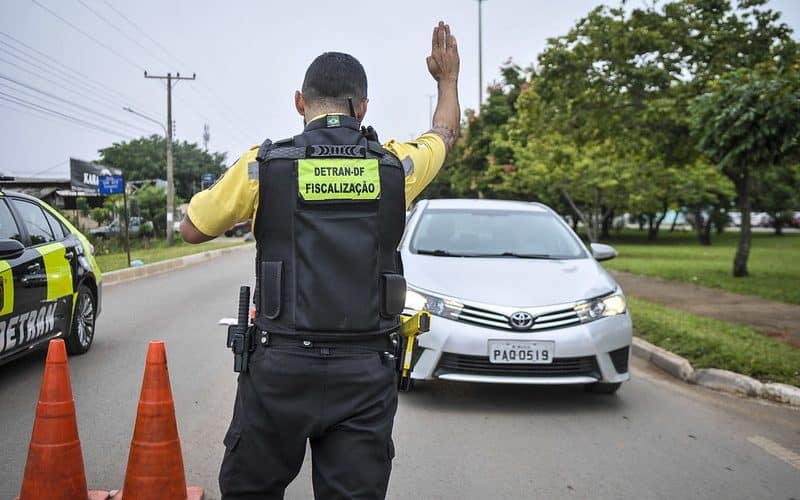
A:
(394, 294)
(270, 288)
(336, 270)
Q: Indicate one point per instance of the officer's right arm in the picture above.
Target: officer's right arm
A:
(231, 200)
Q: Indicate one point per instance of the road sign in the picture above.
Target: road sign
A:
(207, 180)
(110, 184)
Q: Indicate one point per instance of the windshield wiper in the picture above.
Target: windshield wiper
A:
(514, 254)
(440, 253)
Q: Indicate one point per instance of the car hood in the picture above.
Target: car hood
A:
(508, 281)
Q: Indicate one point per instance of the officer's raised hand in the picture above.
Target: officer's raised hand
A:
(443, 64)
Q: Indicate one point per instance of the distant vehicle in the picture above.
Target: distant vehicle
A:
(115, 228)
(50, 284)
(760, 219)
(516, 297)
(239, 229)
(795, 222)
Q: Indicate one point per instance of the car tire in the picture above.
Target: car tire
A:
(602, 388)
(81, 333)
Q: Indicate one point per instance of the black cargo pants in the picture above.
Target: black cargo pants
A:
(341, 399)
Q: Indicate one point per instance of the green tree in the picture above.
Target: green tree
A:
(145, 158)
(627, 78)
(151, 202)
(747, 125)
(101, 215)
(778, 194)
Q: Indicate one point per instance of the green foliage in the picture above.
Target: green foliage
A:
(111, 256)
(145, 159)
(778, 193)
(152, 206)
(747, 125)
(101, 215)
(748, 121)
(83, 206)
(709, 343)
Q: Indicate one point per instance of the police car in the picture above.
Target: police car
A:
(49, 280)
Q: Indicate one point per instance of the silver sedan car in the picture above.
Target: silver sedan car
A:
(516, 297)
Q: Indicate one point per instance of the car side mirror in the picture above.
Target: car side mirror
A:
(603, 252)
(10, 249)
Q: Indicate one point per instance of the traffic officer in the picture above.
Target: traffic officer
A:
(328, 209)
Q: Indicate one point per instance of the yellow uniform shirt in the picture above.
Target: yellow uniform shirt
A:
(234, 198)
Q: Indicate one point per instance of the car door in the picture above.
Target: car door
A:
(19, 299)
(46, 280)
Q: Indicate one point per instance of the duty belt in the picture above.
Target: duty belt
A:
(378, 344)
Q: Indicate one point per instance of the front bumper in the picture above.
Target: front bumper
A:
(597, 351)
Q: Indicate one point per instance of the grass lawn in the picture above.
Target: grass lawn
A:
(709, 343)
(774, 262)
(159, 251)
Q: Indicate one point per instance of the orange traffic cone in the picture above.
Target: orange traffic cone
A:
(155, 464)
(54, 469)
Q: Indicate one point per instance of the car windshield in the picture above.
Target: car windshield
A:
(494, 233)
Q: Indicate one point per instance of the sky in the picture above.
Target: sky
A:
(79, 62)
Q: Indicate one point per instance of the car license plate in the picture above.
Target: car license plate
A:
(521, 351)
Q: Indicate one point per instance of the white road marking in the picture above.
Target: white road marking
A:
(776, 450)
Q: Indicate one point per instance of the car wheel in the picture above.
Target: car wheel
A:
(82, 332)
(238, 233)
(602, 388)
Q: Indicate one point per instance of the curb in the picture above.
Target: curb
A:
(714, 378)
(112, 278)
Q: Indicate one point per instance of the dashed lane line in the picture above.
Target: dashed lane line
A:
(776, 450)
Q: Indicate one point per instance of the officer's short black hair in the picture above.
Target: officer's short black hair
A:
(333, 77)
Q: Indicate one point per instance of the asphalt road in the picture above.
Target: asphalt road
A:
(655, 439)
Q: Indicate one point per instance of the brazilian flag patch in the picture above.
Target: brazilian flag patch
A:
(332, 179)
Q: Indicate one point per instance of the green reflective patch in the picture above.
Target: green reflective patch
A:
(6, 288)
(338, 179)
(59, 272)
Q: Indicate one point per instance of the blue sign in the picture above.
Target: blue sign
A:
(207, 180)
(110, 184)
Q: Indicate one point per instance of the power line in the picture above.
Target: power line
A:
(144, 33)
(63, 79)
(84, 78)
(120, 31)
(224, 107)
(95, 40)
(45, 110)
(74, 104)
(40, 172)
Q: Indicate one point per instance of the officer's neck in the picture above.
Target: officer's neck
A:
(312, 114)
(311, 117)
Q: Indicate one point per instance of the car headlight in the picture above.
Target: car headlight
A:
(440, 306)
(601, 308)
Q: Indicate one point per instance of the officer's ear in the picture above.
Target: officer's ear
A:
(361, 111)
(299, 103)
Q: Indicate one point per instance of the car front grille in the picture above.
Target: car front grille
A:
(480, 365)
(620, 359)
(483, 317)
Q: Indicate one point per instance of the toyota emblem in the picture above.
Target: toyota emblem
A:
(521, 320)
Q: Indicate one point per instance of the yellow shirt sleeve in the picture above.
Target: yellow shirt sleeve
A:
(422, 159)
(233, 199)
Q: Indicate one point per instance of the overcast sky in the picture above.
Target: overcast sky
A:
(249, 57)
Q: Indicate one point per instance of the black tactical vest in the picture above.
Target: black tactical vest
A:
(330, 217)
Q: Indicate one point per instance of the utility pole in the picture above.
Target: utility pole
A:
(170, 181)
(430, 109)
(480, 54)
